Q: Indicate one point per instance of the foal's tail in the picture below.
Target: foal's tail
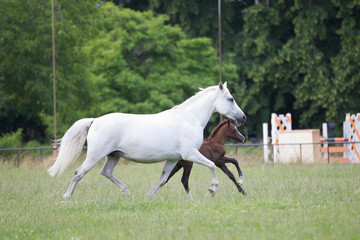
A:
(71, 145)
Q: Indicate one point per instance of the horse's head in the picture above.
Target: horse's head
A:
(225, 104)
(233, 133)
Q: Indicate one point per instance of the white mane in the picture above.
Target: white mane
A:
(197, 95)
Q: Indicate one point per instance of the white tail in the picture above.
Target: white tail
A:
(71, 145)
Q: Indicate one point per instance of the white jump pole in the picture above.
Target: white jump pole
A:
(325, 135)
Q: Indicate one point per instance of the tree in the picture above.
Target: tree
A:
(142, 65)
(25, 64)
(256, 48)
(344, 91)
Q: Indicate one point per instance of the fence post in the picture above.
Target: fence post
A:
(328, 155)
(265, 142)
(17, 158)
(325, 135)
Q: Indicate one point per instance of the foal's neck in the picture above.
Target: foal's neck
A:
(220, 136)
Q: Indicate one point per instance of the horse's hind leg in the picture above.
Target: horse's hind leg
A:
(79, 173)
(177, 167)
(168, 167)
(107, 171)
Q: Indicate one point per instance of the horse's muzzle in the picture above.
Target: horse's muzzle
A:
(241, 119)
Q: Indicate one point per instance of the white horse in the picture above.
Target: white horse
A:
(170, 135)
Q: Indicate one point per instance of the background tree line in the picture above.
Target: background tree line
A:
(141, 56)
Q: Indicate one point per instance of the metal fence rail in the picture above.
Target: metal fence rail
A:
(41, 149)
(17, 150)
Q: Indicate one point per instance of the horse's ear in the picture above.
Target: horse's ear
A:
(225, 84)
(221, 86)
(228, 121)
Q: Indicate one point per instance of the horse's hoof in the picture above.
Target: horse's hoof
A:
(66, 197)
(126, 192)
(212, 190)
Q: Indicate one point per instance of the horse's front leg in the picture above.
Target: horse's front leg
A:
(235, 162)
(196, 157)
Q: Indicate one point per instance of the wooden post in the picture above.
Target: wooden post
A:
(17, 158)
(54, 79)
(265, 142)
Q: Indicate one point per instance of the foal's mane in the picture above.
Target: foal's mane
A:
(217, 128)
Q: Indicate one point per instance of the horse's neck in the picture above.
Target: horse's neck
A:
(220, 136)
(202, 109)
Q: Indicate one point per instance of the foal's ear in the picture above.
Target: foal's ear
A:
(221, 86)
(228, 121)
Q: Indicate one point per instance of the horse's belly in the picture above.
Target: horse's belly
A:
(150, 155)
(150, 150)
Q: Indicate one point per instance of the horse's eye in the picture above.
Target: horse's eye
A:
(231, 99)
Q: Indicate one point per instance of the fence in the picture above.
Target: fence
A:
(236, 146)
(18, 150)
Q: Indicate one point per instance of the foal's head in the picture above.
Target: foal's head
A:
(233, 133)
(226, 129)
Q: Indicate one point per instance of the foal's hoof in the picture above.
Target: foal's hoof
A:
(243, 192)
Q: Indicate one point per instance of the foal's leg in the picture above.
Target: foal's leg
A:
(185, 177)
(107, 171)
(177, 167)
(168, 167)
(235, 162)
(223, 167)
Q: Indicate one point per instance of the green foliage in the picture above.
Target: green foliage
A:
(26, 68)
(344, 91)
(11, 140)
(142, 65)
(303, 65)
(299, 57)
(200, 18)
(256, 51)
(291, 56)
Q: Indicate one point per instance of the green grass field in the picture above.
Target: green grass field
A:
(283, 202)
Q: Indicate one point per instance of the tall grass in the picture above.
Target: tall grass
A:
(283, 202)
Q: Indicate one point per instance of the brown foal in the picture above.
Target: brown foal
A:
(213, 148)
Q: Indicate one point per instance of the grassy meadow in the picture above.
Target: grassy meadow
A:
(283, 202)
